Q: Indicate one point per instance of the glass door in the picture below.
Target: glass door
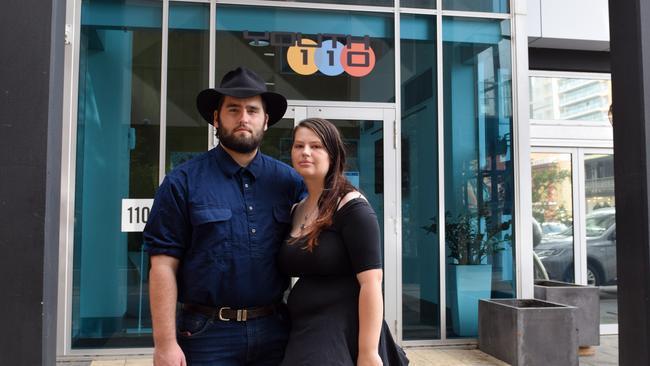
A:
(574, 221)
(600, 232)
(372, 150)
(552, 173)
(367, 132)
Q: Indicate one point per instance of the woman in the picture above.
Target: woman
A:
(334, 247)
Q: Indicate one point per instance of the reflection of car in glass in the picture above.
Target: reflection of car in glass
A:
(556, 251)
(553, 227)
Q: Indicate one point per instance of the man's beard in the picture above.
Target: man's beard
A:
(243, 145)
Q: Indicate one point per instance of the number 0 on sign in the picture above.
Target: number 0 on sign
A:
(135, 213)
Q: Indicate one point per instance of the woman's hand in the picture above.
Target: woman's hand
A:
(369, 359)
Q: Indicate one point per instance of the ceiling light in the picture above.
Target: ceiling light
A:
(259, 43)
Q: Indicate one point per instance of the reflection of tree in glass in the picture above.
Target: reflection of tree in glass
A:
(472, 237)
(562, 215)
(546, 182)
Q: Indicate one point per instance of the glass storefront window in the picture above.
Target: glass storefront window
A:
(600, 225)
(348, 2)
(278, 140)
(118, 132)
(348, 55)
(187, 73)
(479, 189)
(307, 55)
(364, 165)
(570, 99)
(552, 193)
(487, 6)
(420, 243)
(427, 4)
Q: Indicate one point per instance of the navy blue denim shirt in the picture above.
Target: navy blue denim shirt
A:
(225, 223)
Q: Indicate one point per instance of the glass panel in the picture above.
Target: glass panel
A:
(488, 6)
(479, 188)
(364, 166)
(278, 140)
(294, 51)
(428, 4)
(348, 2)
(187, 74)
(420, 245)
(118, 132)
(567, 99)
(601, 232)
(552, 193)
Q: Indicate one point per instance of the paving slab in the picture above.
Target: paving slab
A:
(108, 363)
(605, 355)
(450, 357)
(139, 362)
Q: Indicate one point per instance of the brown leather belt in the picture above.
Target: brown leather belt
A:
(227, 314)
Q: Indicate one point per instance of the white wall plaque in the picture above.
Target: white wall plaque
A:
(135, 213)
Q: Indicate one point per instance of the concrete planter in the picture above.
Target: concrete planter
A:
(528, 332)
(584, 298)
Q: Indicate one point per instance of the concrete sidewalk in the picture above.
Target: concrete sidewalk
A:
(606, 355)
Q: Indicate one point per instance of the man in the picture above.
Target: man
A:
(216, 224)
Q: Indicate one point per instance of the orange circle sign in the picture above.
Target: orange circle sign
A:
(301, 59)
(357, 60)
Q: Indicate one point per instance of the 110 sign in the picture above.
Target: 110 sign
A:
(325, 54)
(135, 213)
(331, 58)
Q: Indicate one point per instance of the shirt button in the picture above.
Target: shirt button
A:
(253, 231)
(245, 185)
(250, 208)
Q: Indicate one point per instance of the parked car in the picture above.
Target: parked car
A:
(556, 251)
(553, 228)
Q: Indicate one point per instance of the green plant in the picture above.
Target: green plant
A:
(472, 237)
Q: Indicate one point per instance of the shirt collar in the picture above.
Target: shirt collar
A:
(230, 166)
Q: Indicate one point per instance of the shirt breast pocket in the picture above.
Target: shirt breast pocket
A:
(281, 222)
(212, 232)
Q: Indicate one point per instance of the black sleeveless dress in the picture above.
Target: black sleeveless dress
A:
(324, 303)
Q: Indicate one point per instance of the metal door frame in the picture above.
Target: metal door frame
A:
(384, 112)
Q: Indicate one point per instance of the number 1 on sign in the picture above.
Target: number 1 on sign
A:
(301, 59)
(141, 215)
(135, 214)
(305, 56)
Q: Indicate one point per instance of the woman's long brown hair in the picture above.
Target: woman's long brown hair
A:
(335, 186)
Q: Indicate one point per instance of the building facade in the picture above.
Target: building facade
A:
(572, 160)
(432, 99)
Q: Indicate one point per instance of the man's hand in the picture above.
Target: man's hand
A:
(169, 355)
(163, 293)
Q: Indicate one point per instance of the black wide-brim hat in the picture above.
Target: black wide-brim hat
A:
(241, 83)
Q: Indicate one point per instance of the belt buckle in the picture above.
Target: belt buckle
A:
(242, 314)
(221, 316)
